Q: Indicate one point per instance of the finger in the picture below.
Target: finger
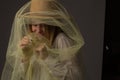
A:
(22, 46)
(23, 43)
(25, 40)
(26, 37)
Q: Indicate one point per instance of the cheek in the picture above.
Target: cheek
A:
(34, 28)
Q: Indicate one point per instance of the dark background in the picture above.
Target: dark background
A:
(7, 14)
(111, 54)
(88, 14)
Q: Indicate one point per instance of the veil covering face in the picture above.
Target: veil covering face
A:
(53, 14)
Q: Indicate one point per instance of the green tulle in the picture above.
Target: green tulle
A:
(58, 17)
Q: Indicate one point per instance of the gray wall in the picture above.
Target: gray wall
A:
(89, 15)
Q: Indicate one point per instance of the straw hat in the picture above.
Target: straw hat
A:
(40, 5)
(44, 9)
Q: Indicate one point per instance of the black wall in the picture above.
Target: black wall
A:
(111, 54)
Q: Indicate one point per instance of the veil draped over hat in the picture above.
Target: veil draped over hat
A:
(57, 16)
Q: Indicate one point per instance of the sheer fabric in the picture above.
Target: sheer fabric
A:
(60, 63)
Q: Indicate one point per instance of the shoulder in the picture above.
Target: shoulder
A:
(62, 41)
(61, 36)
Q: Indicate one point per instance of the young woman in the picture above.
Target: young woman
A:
(43, 45)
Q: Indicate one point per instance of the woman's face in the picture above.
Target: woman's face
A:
(38, 29)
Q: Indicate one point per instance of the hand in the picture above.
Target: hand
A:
(41, 51)
(40, 47)
(24, 42)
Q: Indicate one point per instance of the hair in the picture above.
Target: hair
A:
(50, 31)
